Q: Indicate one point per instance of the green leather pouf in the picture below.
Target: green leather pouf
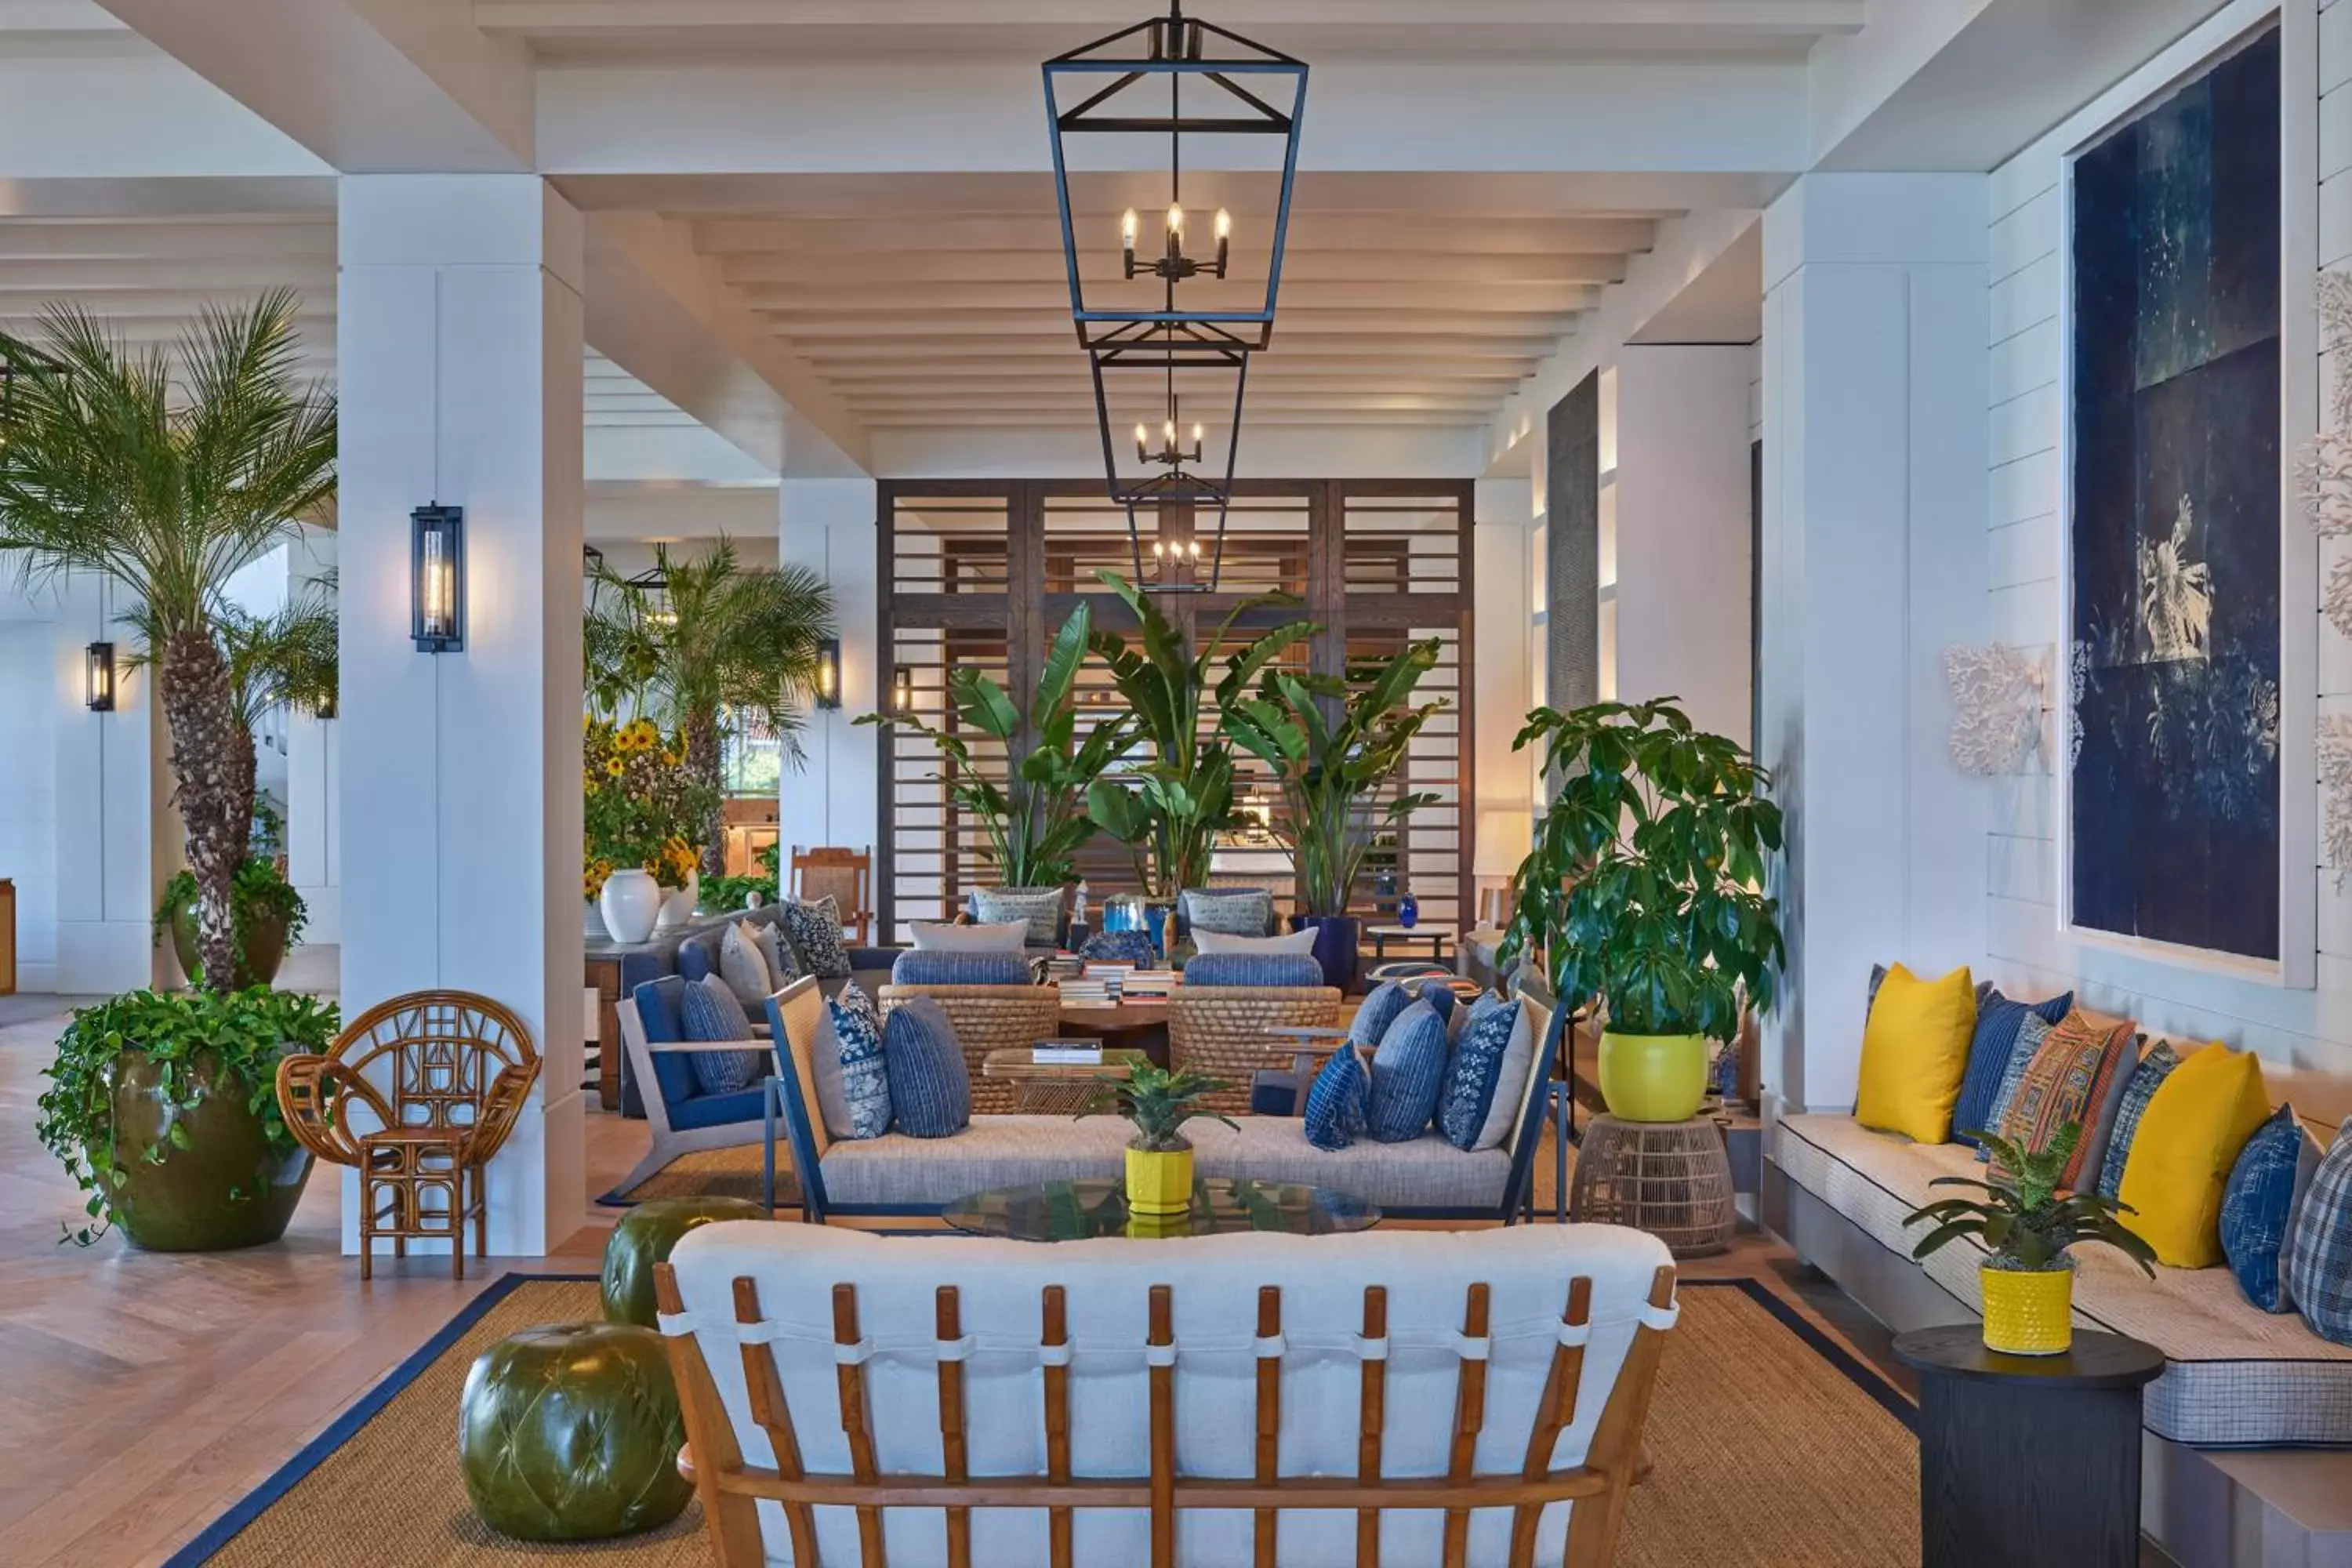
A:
(571, 1432)
(645, 1237)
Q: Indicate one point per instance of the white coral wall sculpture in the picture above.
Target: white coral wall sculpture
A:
(2335, 786)
(2323, 466)
(1999, 694)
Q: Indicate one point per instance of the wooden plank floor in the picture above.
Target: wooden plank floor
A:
(141, 1395)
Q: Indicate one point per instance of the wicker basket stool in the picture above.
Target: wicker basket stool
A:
(988, 1018)
(1672, 1179)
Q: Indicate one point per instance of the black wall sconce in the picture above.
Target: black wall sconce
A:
(325, 711)
(100, 691)
(902, 689)
(437, 578)
(828, 673)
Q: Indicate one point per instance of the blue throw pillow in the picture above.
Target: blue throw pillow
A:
(2319, 1259)
(2031, 1030)
(1254, 969)
(1476, 1069)
(930, 1089)
(853, 1032)
(1990, 1050)
(933, 966)
(2153, 1068)
(709, 1011)
(1339, 1101)
(2258, 1206)
(1378, 1011)
(813, 931)
(1408, 1075)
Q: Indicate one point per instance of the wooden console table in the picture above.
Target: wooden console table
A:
(603, 976)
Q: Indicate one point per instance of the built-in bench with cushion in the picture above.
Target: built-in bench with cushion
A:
(896, 1176)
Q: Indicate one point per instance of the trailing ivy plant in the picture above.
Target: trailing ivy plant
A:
(259, 894)
(1646, 886)
(237, 1034)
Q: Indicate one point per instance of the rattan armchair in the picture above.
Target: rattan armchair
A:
(417, 1096)
(989, 1018)
(1221, 1030)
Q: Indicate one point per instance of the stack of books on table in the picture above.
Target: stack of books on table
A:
(1088, 991)
(1063, 966)
(1151, 984)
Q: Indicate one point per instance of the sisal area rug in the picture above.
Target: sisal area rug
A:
(1772, 1448)
(712, 1173)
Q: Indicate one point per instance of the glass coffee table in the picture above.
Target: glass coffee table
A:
(1081, 1210)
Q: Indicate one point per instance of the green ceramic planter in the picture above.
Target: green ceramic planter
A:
(571, 1432)
(224, 1188)
(1652, 1077)
(259, 953)
(645, 1237)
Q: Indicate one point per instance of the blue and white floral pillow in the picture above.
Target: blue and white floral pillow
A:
(853, 1086)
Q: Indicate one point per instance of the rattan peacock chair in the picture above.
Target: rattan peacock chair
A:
(417, 1096)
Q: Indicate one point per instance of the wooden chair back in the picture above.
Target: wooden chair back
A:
(1222, 1030)
(1522, 1370)
(843, 875)
(433, 1059)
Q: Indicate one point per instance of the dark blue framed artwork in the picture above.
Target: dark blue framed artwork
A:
(2174, 789)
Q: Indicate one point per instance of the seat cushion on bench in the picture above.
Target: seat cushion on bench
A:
(899, 1172)
(2240, 1377)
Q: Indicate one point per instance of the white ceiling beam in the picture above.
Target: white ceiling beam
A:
(131, 115)
(853, 298)
(1399, 235)
(1300, 268)
(1573, 115)
(369, 85)
(1295, 323)
(989, 351)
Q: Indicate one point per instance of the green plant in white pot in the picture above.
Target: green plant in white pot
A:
(1644, 890)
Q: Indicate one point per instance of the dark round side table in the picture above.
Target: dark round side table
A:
(2029, 1461)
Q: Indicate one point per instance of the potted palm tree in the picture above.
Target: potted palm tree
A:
(1158, 1101)
(1644, 890)
(1036, 820)
(1332, 773)
(1169, 810)
(704, 642)
(2027, 1231)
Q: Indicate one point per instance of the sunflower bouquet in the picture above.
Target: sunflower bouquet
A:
(642, 805)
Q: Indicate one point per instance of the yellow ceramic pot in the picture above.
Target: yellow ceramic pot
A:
(1652, 1077)
(2028, 1313)
(1159, 1181)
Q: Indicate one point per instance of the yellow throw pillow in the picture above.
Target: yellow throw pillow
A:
(2197, 1122)
(1914, 1051)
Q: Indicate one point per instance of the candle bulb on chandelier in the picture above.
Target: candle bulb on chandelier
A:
(1127, 231)
(1224, 237)
(1142, 446)
(1175, 230)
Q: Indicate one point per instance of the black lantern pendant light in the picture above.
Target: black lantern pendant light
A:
(1111, 89)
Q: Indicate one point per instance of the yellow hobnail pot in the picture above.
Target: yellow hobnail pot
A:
(1159, 1181)
(1652, 1077)
(2028, 1313)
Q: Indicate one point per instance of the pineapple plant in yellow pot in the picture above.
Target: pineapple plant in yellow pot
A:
(1158, 1101)
(2028, 1231)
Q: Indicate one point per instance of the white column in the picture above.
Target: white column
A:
(459, 366)
(118, 834)
(828, 526)
(1502, 781)
(314, 840)
(1684, 520)
(1874, 390)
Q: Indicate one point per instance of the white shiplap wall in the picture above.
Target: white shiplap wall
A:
(2025, 946)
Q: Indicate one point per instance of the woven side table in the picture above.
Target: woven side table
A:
(1672, 1179)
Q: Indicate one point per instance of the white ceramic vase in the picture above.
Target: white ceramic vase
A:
(632, 903)
(677, 903)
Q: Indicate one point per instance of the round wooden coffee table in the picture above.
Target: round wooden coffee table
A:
(1133, 1025)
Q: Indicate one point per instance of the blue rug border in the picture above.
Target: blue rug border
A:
(346, 1426)
(387, 1388)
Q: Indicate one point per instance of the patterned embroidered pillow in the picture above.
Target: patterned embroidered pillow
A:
(1478, 1071)
(1228, 911)
(709, 1011)
(1378, 1012)
(783, 967)
(745, 969)
(2077, 1075)
(852, 1088)
(1040, 906)
(2273, 1172)
(1254, 969)
(2030, 1035)
(815, 932)
(1990, 1050)
(1120, 947)
(1339, 1101)
(2319, 1258)
(2137, 1092)
(1408, 1075)
(930, 1088)
(919, 967)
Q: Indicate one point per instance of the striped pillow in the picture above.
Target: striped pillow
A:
(1040, 906)
(1408, 1075)
(2273, 1172)
(1339, 1101)
(2319, 1258)
(2137, 1092)
(930, 1088)
(2030, 1035)
(709, 1011)
(1254, 969)
(929, 967)
(1378, 1012)
(2076, 1076)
